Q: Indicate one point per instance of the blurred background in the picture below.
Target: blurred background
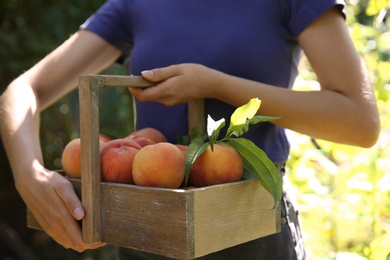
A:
(343, 191)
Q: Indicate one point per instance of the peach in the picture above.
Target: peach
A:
(183, 148)
(142, 141)
(105, 138)
(116, 160)
(159, 165)
(71, 158)
(222, 165)
(151, 133)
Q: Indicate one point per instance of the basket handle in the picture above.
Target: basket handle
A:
(90, 157)
(196, 116)
(89, 135)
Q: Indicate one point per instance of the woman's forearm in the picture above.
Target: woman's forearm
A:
(324, 114)
(20, 127)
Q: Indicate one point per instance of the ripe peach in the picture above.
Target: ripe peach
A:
(159, 165)
(142, 141)
(116, 160)
(105, 138)
(222, 165)
(183, 148)
(151, 133)
(71, 157)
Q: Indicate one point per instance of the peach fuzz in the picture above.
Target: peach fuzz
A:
(71, 158)
(141, 140)
(183, 148)
(159, 165)
(149, 132)
(105, 138)
(222, 165)
(116, 160)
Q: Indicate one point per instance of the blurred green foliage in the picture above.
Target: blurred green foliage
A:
(29, 30)
(343, 191)
(32, 29)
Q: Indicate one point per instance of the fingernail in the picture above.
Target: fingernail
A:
(147, 73)
(78, 213)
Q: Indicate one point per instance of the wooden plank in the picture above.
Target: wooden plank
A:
(32, 221)
(123, 81)
(148, 219)
(184, 224)
(196, 117)
(90, 158)
(230, 214)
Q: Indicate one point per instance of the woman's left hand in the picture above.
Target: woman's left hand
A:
(179, 84)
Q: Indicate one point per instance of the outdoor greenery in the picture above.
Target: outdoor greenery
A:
(343, 192)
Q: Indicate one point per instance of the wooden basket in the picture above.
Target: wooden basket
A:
(177, 223)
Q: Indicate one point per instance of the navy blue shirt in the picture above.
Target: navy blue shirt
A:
(252, 39)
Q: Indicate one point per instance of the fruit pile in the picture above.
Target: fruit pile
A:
(145, 158)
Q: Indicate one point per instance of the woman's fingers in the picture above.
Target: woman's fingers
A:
(58, 210)
(177, 84)
(161, 74)
(75, 212)
(73, 204)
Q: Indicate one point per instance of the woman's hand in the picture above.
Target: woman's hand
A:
(49, 196)
(53, 202)
(179, 84)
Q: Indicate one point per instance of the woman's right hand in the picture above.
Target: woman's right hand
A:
(53, 202)
(50, 197)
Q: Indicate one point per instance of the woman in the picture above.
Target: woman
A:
(226, 52)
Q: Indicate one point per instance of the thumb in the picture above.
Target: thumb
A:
(160, 74)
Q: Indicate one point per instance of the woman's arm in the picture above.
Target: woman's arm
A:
(344, 109)
(48, 195)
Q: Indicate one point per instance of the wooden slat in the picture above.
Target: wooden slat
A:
(230, 214)
(90, 158)
(32, 221)
(184, 224)
(123, 81)
(148, 219)
(196, 117)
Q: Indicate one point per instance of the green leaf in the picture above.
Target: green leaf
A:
(240, 130)
(258, 162)
(196, 132)
(258, 119)
(248, 174)
(197, 146)
(241, 114)
(183, 139)
(213, 129)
